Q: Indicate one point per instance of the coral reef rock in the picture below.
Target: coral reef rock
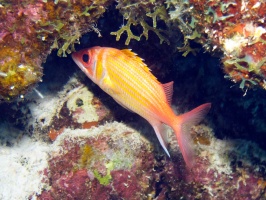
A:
(72, 152)
(29, 31)
(235, 29)
(111, 161)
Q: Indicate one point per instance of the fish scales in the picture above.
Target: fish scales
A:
(133, 83)
(124, 76)
(130, 96)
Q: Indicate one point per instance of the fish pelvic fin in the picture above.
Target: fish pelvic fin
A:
(182, 127)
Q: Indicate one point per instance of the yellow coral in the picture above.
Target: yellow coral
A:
(86, 156)
(18, 74)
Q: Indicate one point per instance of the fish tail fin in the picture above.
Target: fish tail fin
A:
(182, 126)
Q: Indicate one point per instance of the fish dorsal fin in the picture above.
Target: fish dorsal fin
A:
(168, 90)
(139, 60)
(133, 55)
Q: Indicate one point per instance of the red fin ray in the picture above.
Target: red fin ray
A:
(168, 90)
(182, 130)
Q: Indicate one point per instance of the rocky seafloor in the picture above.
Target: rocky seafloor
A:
(73, 144)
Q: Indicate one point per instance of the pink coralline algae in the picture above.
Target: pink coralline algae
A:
(223, 170)
(235, 29)
(116, 162)
(108, 162)
(29, 31)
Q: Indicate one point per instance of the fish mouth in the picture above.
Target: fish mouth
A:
(78, 63)
(75, 56)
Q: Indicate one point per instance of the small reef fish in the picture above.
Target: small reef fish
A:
(124, 76)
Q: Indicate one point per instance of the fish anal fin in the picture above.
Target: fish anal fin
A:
(161, 133)
(168, 90)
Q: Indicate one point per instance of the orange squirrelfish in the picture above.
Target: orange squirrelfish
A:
(124, 76)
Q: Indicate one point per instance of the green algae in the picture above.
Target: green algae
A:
(104, 180)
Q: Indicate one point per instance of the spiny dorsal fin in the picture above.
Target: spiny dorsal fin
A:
(168, 90)
(136, 58)
(139, 60)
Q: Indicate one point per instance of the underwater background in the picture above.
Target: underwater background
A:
(62, 137)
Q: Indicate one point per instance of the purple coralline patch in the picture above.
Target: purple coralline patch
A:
(76, 185)
(115, 162)
(72, 185)
(242, 184)
(199, 183)
(104, 166)
(209, 180)
(126, 185)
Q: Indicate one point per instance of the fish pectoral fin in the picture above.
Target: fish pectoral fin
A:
(161, 134)
(108, 87)
(111, 91)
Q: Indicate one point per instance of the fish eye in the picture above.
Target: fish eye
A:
(85, 58)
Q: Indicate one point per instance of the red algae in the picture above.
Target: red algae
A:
(30, 31)
(125, 184)
(234, 29)
(90, 172)
(114, 161)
